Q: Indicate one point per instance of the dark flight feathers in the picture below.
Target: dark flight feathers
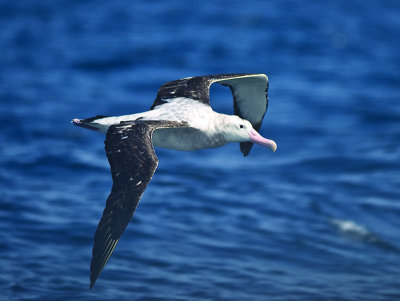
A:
(132, 159)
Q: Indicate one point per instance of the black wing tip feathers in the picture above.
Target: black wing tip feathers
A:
(100, 257)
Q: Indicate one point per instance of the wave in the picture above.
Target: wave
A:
(351, 228)
(356, 231)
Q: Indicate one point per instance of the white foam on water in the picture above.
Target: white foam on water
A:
(350, 227)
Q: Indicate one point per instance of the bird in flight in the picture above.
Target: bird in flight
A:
(180, 118)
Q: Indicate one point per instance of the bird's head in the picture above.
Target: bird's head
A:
(241, 130)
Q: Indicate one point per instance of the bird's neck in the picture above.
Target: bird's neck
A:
(221, 127)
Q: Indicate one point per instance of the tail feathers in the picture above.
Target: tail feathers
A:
(91, 119)
(85, 123)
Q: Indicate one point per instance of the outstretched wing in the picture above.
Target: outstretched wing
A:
(132, 159)
(250, 101)
(250, 95)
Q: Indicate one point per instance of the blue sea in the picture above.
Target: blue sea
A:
(319, 219)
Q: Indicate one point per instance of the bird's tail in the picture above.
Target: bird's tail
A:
(87, 123)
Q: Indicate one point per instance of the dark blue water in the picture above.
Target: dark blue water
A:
(317, 220)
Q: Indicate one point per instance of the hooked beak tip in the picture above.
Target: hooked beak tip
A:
(273, 146)
(257, 138)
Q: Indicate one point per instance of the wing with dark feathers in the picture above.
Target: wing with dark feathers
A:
(250, 95)
(250, 101)
(132, 159)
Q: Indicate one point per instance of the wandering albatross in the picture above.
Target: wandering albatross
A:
(180, 118)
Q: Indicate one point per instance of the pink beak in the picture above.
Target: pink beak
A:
(257, 138)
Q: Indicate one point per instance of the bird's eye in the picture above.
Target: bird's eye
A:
(241, 126)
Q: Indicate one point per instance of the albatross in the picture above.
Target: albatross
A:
(180, 118)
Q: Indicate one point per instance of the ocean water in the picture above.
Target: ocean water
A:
(317, 220)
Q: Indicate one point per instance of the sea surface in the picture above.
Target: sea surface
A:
(317, 220)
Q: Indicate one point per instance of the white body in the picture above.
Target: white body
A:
(206, 129)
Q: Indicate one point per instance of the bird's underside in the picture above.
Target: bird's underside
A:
(172, 122)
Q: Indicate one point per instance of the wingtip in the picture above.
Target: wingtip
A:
(91, 285)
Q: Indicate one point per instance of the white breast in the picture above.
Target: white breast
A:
(186, 139)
